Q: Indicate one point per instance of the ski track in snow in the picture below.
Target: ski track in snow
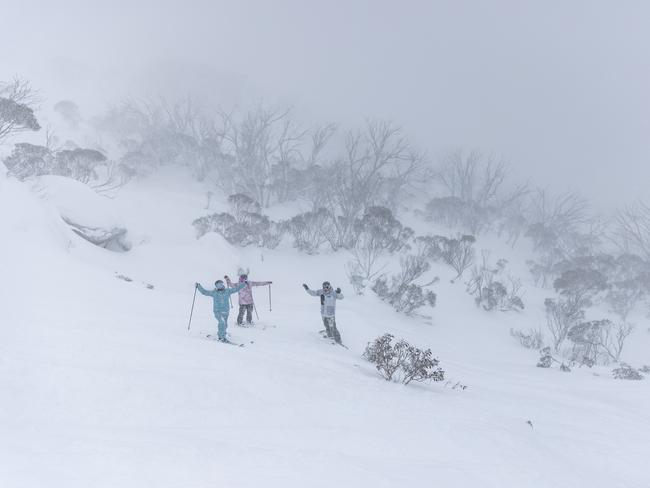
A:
(102, 385)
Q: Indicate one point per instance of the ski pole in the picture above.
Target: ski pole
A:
(192, 310)
(230, 297)
(270, 308)
(256, 314)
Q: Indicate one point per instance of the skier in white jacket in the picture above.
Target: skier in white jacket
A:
(328, 297)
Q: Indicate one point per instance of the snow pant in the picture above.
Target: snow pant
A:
(248, 308)
(330, 328)
(222, 321)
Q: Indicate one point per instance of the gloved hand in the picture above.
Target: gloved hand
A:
(338, 290)
(305, 286)
(226, 277)
(196, 285)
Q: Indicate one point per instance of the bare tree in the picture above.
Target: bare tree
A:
(258, 142)
(378, 165)
(633, 229)
(477, 183)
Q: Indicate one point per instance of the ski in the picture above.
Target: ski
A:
(227, 341)
(324, 336)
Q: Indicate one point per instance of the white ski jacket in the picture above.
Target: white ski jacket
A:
(327, 301)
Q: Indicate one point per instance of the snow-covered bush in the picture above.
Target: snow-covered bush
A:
(626, 372)
(400, 361)
(502, 294)
(244, 226)
(79, 164)
(28, 160)
(546, 359)
(533, 339)
(458, 252)
(561, 315)
(16, 112)
(401, 291)
(598, 341)
(85, 165)
(308, 230)
(246, 233)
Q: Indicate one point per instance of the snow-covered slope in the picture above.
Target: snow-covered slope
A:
(102, 385)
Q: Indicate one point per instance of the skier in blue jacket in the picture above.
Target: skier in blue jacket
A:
(221, 303)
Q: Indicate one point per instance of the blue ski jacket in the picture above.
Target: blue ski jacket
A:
(220, 298)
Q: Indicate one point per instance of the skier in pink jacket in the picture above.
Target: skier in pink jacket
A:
(246, 303)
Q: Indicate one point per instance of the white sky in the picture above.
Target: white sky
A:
(559, 87)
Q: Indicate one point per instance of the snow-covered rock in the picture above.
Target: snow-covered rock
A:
(90, 215)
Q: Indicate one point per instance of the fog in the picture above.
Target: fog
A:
(559, 89)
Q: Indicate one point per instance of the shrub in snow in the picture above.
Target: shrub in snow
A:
(564, 368)
(29, 160)
(597, 341)
(533, 339)
(502, 294)
(626, 372)
(308, 229)
(400, 361)
(458, 252)
(16, 115)
(85, 165)
(545, 360)
(401, 291)
(244, 227)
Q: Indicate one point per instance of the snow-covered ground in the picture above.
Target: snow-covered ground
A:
(102, 385)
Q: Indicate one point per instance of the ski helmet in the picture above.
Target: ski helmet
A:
(327, 285)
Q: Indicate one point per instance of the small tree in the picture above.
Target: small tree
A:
(378, 233)
(633, 229)
(491, 293)
(560, 317)
(402, 292)
(458, 253)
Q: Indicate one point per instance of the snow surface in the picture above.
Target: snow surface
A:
(102, 385)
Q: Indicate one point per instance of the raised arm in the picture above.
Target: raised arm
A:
(228, 282)
(339, 295)
(313, 293)
(235, 288)
(203, 291)
(259, 283)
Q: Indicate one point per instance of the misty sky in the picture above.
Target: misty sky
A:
(560, 88)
